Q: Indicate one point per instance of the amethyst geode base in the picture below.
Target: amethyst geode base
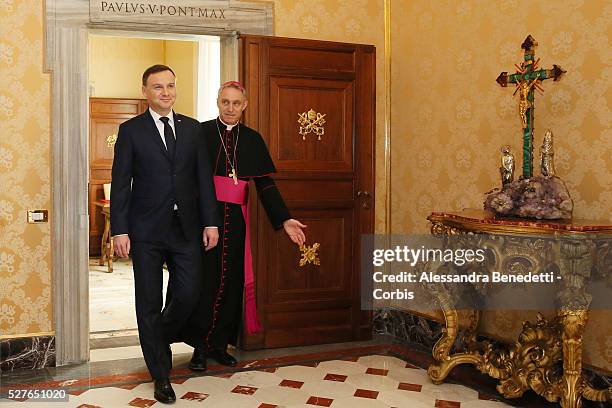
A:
(537, 197)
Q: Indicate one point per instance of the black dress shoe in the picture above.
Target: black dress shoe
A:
(164, 392)
(198, 360)
(223, 357)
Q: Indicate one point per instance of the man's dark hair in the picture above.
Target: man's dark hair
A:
(154, 70)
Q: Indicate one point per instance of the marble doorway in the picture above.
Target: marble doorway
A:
(115, 65)
(68, 24)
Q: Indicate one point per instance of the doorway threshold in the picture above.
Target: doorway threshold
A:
(113, 339)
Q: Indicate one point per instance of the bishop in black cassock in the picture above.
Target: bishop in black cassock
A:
(238, 154)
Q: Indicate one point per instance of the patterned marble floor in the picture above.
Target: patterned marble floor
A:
(372, 381)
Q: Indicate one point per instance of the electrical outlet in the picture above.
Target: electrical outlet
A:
(36, 216)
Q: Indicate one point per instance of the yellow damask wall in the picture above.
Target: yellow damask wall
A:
(450, 117)
(352, 21)
(25, 169)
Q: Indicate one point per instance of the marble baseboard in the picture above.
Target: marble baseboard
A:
(407, 328)
(598, 381)
(420, 332)
(27, 353)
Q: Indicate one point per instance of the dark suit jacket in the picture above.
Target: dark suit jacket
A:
(146, 181)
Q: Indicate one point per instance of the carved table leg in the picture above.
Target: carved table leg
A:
(111, 254)
(105, 238)
(575, 268)
(107, 244)
(572, 383)
(593, 394)
(439, 370)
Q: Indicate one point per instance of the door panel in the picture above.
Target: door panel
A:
(311, 283)
(285, 54)
(101, 151)
(290, 97)
(319, 178)
(325, 192)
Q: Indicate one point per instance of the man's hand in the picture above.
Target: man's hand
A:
(121, 244)
(293, 228)
(210, 237)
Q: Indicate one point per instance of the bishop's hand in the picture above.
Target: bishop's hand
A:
(294, 228)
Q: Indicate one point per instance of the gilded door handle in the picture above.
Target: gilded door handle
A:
(310, 255)
(364, 194)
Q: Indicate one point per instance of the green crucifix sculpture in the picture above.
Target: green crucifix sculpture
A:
(526, 78)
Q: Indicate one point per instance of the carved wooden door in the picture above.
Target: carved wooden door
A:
(105, 116)
(325, 172)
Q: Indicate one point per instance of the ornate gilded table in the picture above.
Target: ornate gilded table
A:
(547, 357)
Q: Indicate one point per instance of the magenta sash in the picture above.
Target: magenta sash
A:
(229, 192)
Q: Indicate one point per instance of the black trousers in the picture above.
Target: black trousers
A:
(157, 328)
(217, 319)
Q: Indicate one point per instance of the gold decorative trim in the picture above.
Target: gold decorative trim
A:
(310, 255)
(387, 72)
(440, 229)
(441, 223)
(311, 121)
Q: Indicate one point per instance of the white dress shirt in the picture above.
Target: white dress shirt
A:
(160, 128)
(160, 124)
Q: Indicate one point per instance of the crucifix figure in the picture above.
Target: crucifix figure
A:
(234, 176)
(526, 78)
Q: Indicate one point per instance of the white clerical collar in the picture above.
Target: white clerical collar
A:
(156, 116)
(227, 127)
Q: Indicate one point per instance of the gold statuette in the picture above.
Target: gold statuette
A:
(507, 165)
(547, 165)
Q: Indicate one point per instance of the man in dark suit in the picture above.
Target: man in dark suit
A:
(163, 208)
